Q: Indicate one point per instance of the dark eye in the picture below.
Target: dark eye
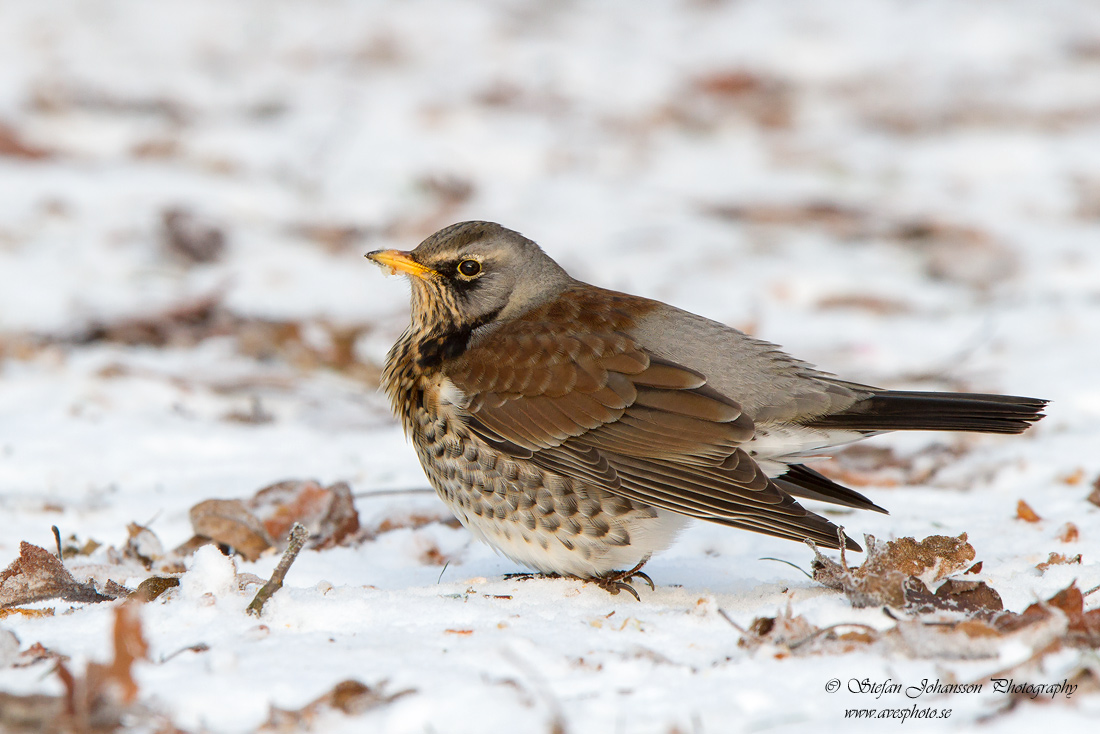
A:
(469, 268)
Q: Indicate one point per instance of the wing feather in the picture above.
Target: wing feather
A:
(597, 407)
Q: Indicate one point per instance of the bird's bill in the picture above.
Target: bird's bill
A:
(398, 261)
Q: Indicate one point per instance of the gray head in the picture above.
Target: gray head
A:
(472, 273)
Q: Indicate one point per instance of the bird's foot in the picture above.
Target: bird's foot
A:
(617, 581)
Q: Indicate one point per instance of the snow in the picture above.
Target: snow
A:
(583, 126)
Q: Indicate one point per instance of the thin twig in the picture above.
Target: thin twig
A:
(739, 628)
(297, 538)
(57, 540)
(197, 647)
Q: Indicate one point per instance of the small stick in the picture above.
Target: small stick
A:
(57, 540)
(739, 628)
(297, 538)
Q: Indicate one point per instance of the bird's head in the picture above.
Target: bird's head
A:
(473, 273)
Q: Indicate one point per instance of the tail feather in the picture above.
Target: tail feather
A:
(901, 410)
(802, 481)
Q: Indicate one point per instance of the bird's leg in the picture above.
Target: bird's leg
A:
(617, 581)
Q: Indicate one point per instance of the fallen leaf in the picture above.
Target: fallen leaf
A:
(129, 647)
(328, 513)
(1068, 533)
(152, 587)
(38, 574)
(12, 145)
(1083, 628)
(143, 545)
(1025, 513)
(231, 523)
(349, 697)
(893, 574)
(1094, 495)
(8, 611)
(794, 634)
(100, 700)
(1057, 559)
(1074, 477)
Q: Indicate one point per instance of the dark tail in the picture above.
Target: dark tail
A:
(802, 481)
(900, 410)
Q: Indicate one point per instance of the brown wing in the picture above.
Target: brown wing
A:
(596, 407)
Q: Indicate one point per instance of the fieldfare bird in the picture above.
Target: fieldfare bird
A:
(577, 429)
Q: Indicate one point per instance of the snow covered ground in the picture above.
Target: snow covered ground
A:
(904, 194)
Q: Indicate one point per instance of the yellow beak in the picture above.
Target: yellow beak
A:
(396, 261)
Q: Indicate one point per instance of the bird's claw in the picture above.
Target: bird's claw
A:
(617, 581)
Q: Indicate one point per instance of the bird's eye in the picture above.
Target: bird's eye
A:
(469, 268)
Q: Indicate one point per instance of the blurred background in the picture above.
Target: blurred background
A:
(751, 160)
(905, 193)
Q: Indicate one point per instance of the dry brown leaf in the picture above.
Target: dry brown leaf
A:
(38, 574)
(890, 576)
(1025, 513)
(36, 653)
(968, 597)
(231, 523)
(99, 701)
(7, 612)
(433, 556)
(969, 639)
(12, 145)
(304, 344)
(1057, 559)
(73, 547)
(349, 697)
(1074, 477)
(129, 647)
(1083, 628)
(152, 587)
(712, 97)
(1068, 533)
(1094, 495)
(264, 521)
(143, 545)
(328, 513)
(183, 324)
(794, 634)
